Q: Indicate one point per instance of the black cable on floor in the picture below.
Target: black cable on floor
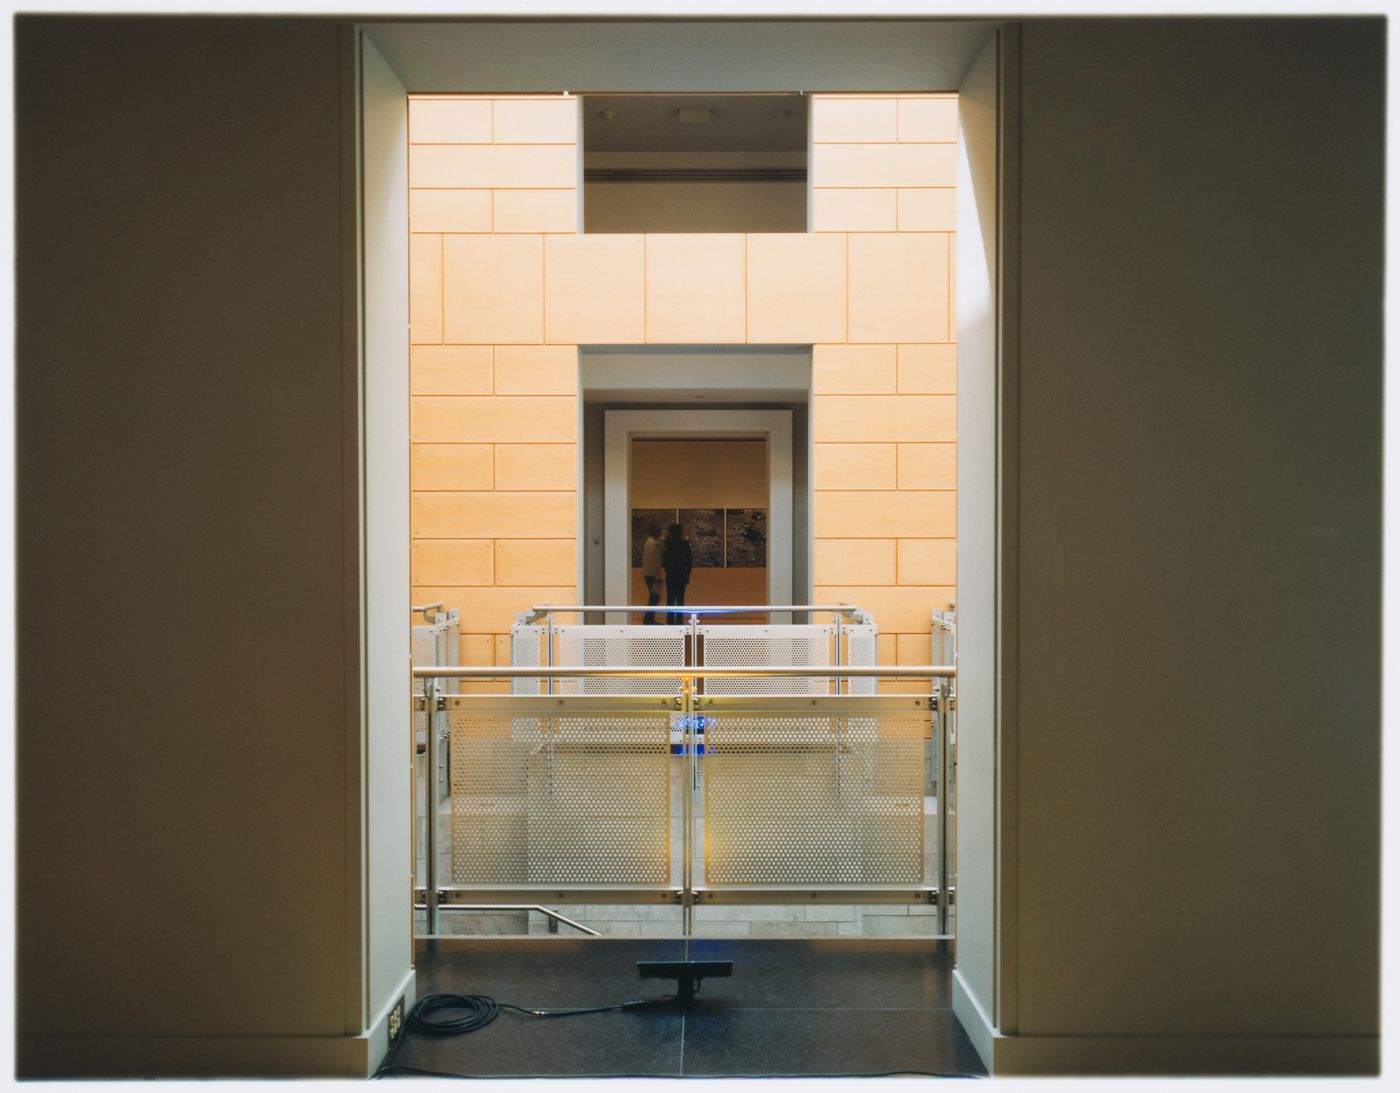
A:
(475, 1011)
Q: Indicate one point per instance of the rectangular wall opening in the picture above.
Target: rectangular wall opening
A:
(715, 490)
(694, 163)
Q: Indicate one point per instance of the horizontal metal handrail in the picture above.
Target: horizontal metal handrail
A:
(572, 671)
(513, 907)
(539, 611)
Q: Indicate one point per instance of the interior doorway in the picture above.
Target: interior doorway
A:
(713, 492)
(725, 477)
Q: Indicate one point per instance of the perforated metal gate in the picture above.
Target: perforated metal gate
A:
(560, 792)
(828, 791)
(611, 646)
(564, 788)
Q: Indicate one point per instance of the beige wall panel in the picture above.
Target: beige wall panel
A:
(928, 210)
(448, 121)
(536, 210)
(495, 515)
(854, 466)
(449, 210)
(536, 467)
(913, 648)
(476, 648)
(682, 207)
(536, 121)
(928, 119)
(493, 288)
(898, 288)
(854, 119)
(853, 514)
(853, 369)
(928, 369)
(594, 288)
(498, 167)
(854, 561)
(476, 687)
(536, 369)
(879, 165)
(711, 473)
(536, 561)
(896, 610)
(928, 561)
(425, 287)
(886, 649)
(452, 561)
(952, 288)
(854, 210)
(451, 370)
(905, 687)
(695, 288)
(928, 418)
(499, 419)
(928, 466)
(797, 288)
(452, 466)
(492, 610)
(501, 648)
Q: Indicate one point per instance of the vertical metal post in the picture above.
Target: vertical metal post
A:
(692, 788)
(943, 705)
(839, 660)
(438, 777)
(549, 653)
(688, 749)
(432, 689)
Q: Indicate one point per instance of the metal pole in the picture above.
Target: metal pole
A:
(943, 705)
(586, 671)
(549, 653)
(687, 804)
(838, 652)
(431, 690)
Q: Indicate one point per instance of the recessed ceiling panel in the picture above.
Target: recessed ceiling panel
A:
(658, 123)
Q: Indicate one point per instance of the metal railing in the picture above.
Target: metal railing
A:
(799, 798)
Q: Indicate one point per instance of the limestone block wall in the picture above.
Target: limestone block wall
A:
(504, 288)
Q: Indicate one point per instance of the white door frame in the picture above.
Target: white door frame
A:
(622, 426)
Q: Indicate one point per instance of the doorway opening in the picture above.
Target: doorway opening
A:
(695, 163)
(710, 493)
(531, 326)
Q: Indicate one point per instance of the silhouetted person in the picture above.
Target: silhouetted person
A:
(675, 559)
(651, 570)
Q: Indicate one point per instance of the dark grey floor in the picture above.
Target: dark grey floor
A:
(819, 1007)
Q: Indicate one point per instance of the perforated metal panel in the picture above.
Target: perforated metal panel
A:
(820, 799)
(424, 652)
(944, 633)
(437, 643)
(526, 651)
(861, 651)
(621, 647)
(764, 646)
(575, 799)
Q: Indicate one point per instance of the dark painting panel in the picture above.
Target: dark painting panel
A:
(705, 530)
(642, 519)
(746, 538)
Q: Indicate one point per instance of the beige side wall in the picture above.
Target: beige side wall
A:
(502, 300)
(884, 171)
(494, 401)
